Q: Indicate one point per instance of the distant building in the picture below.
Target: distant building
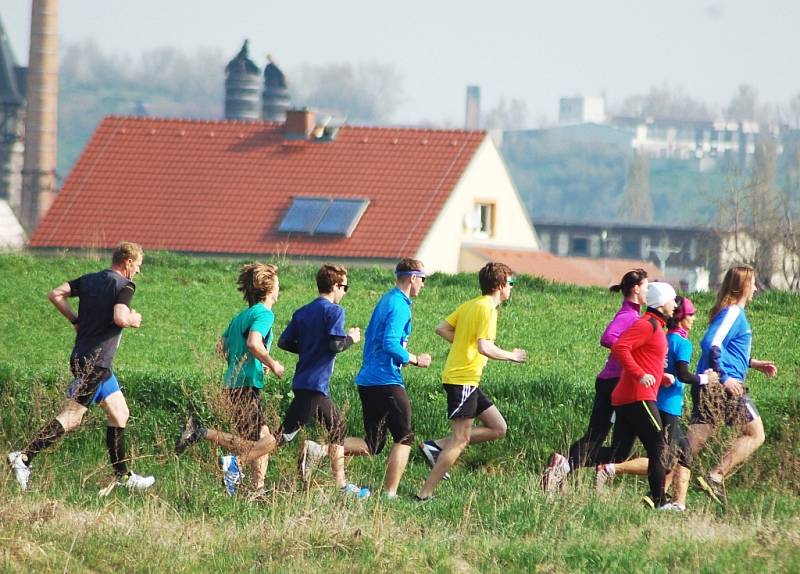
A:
(581, 110)
(242, 87)
(275, 100)
(472, 120)
(294, 189)
(685, 255)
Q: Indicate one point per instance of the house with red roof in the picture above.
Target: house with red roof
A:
(300, 188)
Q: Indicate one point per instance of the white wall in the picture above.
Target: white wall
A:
(486, 179)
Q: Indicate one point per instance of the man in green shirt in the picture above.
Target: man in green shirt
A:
(245, 345)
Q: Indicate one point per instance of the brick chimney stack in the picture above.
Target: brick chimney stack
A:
(39, 170)
(299, 124)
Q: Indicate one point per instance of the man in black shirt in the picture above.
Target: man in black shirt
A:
(103, 311)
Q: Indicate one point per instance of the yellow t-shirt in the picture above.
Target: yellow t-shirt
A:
(473, 320)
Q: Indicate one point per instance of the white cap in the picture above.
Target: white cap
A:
(659, 293)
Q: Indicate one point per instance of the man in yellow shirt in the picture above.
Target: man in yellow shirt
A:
(471, 330)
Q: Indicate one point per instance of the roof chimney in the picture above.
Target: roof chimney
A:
(299, 124)
(39, 171)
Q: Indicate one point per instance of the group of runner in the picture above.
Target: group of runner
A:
(633, 389)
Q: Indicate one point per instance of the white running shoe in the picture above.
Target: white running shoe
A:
(672, 507)
(604, 474)
(555, 474)
(22, 471)
(138, 482)
(311, 454)
(431, 451)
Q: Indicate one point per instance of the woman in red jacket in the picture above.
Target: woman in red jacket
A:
(642, 352)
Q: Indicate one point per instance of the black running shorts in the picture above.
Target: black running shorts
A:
(312, 405)
(385, 407)
(465, 401)
(712, 405)
(88, 379)
(243, 406)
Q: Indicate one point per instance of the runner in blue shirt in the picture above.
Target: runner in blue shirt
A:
(317, 333)
(726, 349)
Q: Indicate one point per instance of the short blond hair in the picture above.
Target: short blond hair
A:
(256, 281)
(126, 250)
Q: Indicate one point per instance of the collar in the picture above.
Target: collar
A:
(657, 315)
(631, 305)
(405, 297)
(680, 331)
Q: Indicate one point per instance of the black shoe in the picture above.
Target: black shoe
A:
(192, 433)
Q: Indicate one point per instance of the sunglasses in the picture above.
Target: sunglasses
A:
(421, 277)
(511, 282)
(344, 286)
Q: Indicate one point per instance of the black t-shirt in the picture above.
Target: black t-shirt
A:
(98, 335)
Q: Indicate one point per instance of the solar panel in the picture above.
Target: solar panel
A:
(342, 217)
(304, 215)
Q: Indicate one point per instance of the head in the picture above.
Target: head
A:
(661, 297)
(496, 277)
(633, 286)
(127, 258)
(410, 275)
(257, 282)
(332, 280)
(738, 288)
(683, 316)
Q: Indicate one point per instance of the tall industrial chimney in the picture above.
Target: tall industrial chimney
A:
(473, 115)
(39, 169)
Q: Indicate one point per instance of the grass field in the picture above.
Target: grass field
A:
(491, 517)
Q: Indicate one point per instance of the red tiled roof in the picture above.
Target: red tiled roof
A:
(584, 271)
(223, 187)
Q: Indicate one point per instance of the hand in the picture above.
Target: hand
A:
(424, 360)
(668, 380)
(519, 355)
(713, 376)
(277, 369)
(766, 367)
(135, 319)
(354, 333)
(647, 380)
(733, 387)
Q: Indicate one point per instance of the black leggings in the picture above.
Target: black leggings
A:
(642, 420)
(587, 450)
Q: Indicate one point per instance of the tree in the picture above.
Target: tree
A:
(664, 102)
(637, 203)
(513, 116)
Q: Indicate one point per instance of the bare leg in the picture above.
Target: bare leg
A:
(398, 459)
(493, 426)
(636, 466)
(336, 454)
(741, 449)
(454, 446)
(71, 415)
(698, 435)
(116, 409)
(259, 464)
(682, 476)
(354, 446)
(246, 450)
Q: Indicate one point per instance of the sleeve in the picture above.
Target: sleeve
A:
(394, 332)
(488, 326)
(685, 375)
(452, 318)
(634, 337)
(717, 348)
(615, 328)
(262, 322)
(125, 296)
(335, 320)
(75, 287)
(288, 339)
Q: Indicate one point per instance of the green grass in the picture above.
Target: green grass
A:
(490, 517)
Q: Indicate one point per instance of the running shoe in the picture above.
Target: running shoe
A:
(672, 507)
(137, 482)
(713, 488)
(555, 474)
(231, 474)
(422, 499)
(431, 451)
(359, 492)
(604, 474)
(192, 432)
(311, 454)
(22, 471)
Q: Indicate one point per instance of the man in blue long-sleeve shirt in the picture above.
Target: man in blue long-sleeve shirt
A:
(384, 401)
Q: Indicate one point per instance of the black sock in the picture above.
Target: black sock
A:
(49, 434)
(115, 441)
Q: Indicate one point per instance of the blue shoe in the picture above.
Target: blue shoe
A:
(361, 493)
(231, 474)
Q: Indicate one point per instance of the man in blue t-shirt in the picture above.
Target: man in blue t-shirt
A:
(384, 401)
(317, 334)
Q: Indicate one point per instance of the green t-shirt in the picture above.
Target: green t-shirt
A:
(244, 370)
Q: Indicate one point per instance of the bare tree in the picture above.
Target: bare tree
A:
(637, 203)
(511, 116)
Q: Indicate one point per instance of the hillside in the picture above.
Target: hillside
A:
(491, 516)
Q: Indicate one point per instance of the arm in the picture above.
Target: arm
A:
(615, 328)
(59, 298)
(255, 344)
(288, 340)
(767, 367)
(338, 344)
(489, 349)
(631, 339)
(392, 334)
(446, 331)
(125, 317)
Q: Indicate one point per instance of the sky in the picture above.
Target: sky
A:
(530, 50)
